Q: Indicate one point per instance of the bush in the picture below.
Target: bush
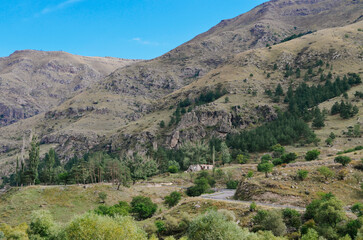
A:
(200, 187)
(42, 224)
(92, 226)
(266, 158)
(215, 226)
(250, 174)
(326, 172)
(232, 184)
(271, 221)
(102, 196)
(289, 157)
(277, 161)
(302, 174)
(143, 207)
(312, 155)
(122, 209)
(160, 226)
(173, 169)
(173, 199)
(344, 160)
(253, 207)
(292, 218)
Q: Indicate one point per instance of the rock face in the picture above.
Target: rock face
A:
(248, 190)
(32, 82)
(198, 123)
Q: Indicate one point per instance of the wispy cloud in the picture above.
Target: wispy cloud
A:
(144, 42)
(58, 7)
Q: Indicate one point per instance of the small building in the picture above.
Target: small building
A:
(199, 167)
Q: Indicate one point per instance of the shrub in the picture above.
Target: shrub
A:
(344, 160)
(277, 161)
(357, 209)
(92, 226)
(200, 187)
(292, 218)
(232, 184)
(143, 207)
(172, 199)
(42, 224)
(312, 155)
(302, 174)
(250, 174)
(326, 172)
(310, 235)
(253, 207)
(266, 158)
(271, 221)
(122, 209)
(289, 157)
(173, 169)
(215, 226)
(102, 196)
(160, 226)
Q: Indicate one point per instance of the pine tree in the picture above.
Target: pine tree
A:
(318, 121)
(33, 161)
(279, 91)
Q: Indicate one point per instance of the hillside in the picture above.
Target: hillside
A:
(123, 112)
(33, 82)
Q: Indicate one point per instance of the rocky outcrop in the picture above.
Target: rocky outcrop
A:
(204, 121)
(247, 190)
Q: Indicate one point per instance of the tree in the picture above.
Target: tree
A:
(172, 199)
(326, 172)
(292, 218)
(162, 124)
(143, 207)
(357, 209)
(225, 155)
(265, 167)
(312, 155)
(344, 160)
(270, 221)
(310, 235)
(318, 121)
(33, 161)
(279, 91)
(201, 185)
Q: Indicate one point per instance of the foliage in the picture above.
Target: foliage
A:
(200, 187)
(16, 232)
(270, 221)
(345, 109)
(302, 174)
(232, 184)
(310, 235)
(121, 209)
(225, 155)
(265, 167)
(102, 196)
(143, 207)
(292, 218)
(42, 225)
(312, 155)
(215, 226)
(250, 174)
(286, 129)
(357, 209)
(344, 160)
(172, 199)
(92, 226)
(325, 172)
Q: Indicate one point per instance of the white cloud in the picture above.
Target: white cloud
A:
(60, 6)
(144, 42)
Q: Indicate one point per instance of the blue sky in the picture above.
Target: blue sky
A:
(139, 29)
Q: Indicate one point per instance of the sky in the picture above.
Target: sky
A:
(133, 29)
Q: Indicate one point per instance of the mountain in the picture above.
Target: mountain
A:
(32, 82)
(122, 112)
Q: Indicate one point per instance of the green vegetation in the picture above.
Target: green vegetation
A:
(357, 148)
(344, 160)
(302, 174)
(143, 207)
(122, 209)
(325, 172)
(312, 155)
(172, 199)
(295, 36)
(345, 109)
